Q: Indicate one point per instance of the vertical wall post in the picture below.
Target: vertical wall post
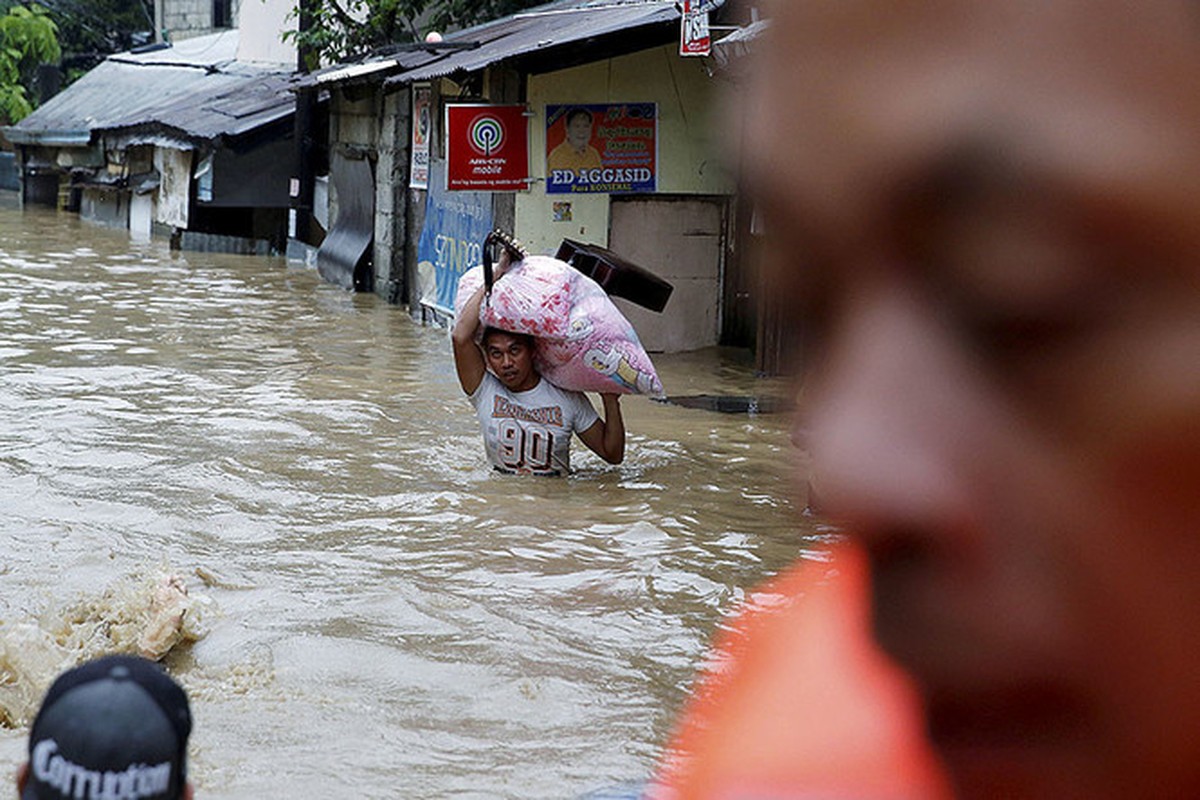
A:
(306, 100)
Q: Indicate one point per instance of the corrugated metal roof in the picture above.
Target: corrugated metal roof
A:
(557, 24)
(238, 108)
(542, 28)
(196, 88)
(212, 50)
(365, 70)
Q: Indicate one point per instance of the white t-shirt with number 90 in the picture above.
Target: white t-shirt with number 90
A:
(530, 432)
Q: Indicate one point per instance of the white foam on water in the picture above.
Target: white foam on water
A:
(148, 612)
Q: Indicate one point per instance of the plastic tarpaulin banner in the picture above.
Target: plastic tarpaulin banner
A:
(487, 148)
(456, 223)
(175, 167)
(422, 123)
(599, 148)
(694, 38)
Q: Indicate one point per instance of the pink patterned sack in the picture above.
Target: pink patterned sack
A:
(582, 341)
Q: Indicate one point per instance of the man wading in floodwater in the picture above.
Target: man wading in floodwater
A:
(527, 421)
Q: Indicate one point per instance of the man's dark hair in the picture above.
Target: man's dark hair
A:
(577, 112)
(527, 338)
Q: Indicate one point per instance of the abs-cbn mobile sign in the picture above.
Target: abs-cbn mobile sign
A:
(598, 148)
(487, 148)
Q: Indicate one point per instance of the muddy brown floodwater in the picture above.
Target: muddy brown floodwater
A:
(374, 613)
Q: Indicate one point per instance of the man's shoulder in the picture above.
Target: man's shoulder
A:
(575, 404)
(489, 385)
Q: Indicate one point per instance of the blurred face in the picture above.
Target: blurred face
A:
(511, 359)
(990, 215)
(579, 131)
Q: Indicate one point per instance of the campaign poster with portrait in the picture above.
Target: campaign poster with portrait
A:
(422, 129)
(603, 148)
(487, 148)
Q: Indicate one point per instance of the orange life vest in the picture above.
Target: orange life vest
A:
(798, 702)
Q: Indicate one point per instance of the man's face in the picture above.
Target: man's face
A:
(579, 131)
(511, 359)
(990, 214)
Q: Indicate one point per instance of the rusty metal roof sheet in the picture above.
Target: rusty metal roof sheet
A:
(214, 110)
(196, 89)
(368, 69)
(542, 29)
(547, 30)
(558, 25)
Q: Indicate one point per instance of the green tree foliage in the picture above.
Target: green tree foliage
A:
(28, 37)
(342, 30)
(89, 30)
(450, 14)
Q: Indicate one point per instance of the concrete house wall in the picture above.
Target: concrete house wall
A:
(183, 19)
(375, 126)
(191, 141)
(687, 134)
(261, 24)
(680, 231)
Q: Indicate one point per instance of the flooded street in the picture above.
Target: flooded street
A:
(377, 614)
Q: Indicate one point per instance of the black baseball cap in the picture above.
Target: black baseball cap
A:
(114, 728)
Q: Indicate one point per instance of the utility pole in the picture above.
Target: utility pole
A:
(306, 101)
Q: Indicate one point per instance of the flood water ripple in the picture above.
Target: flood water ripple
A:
(383, 615)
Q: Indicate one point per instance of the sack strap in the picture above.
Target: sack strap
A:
(516, 252)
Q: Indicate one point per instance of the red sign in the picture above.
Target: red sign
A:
(694, 39)
(487, 148)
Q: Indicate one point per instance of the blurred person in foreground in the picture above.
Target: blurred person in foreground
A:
(115, 728)
(990, 216)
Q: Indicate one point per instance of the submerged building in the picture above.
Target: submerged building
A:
(191, 140)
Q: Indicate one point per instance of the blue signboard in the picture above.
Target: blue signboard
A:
(451, 242)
